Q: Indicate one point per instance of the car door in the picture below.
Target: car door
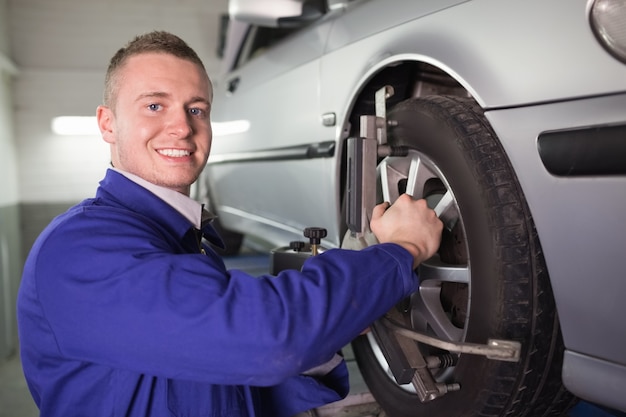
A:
(271, 175)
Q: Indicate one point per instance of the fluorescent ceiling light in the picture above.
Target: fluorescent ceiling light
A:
(75, 125)
(230, 128)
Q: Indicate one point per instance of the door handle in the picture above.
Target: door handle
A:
(233, 83)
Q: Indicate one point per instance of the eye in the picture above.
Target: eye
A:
(154, 107)
(198, 112)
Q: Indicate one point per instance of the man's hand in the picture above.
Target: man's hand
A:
(410, 224)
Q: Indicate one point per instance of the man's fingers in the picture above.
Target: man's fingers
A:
(380, 209)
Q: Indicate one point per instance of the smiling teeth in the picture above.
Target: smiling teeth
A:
(176, 153)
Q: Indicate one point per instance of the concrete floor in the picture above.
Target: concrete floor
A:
(15, 400)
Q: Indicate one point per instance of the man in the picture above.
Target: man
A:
(123, 312)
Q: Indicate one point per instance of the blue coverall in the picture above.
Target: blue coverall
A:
(119, 314)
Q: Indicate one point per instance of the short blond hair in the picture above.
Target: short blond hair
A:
(156, 41)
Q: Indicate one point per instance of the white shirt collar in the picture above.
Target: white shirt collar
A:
(188, 207)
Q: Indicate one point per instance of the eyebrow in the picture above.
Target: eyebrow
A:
(151, 94)
(199, 99)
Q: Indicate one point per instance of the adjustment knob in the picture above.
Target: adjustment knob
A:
(296, 245)
(315, 234)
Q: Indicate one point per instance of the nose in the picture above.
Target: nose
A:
(180, 124)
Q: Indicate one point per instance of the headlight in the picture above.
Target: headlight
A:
(608, 22)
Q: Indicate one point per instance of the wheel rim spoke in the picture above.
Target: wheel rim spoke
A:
(433, 272)
(417, 176)
(447, 211)
(427, 310)
(390, 172)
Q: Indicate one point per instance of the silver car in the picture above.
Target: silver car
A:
(509, 117)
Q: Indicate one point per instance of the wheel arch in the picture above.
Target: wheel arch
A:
(410, 76)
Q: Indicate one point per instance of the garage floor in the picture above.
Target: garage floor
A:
(15, 400)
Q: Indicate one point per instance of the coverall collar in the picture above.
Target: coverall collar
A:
(176, 210)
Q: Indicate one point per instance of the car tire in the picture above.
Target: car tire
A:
(503, 291)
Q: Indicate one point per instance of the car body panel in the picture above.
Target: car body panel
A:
(465, 40)
(598, 380)
(554, 228)
(534, 66)
(261, 83)
(577, 219)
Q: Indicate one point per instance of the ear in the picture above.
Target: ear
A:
(105, 118)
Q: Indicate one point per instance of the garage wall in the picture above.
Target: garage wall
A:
(53, 56)
(10, 253)
(55, 171)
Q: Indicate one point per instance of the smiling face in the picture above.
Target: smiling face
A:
(158, 125)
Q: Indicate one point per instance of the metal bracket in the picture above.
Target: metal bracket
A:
(362, 154)
(408, 365)
(496, 349)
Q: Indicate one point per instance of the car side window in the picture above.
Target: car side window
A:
(258, 40)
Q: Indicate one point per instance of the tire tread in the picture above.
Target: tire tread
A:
(531, 387)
